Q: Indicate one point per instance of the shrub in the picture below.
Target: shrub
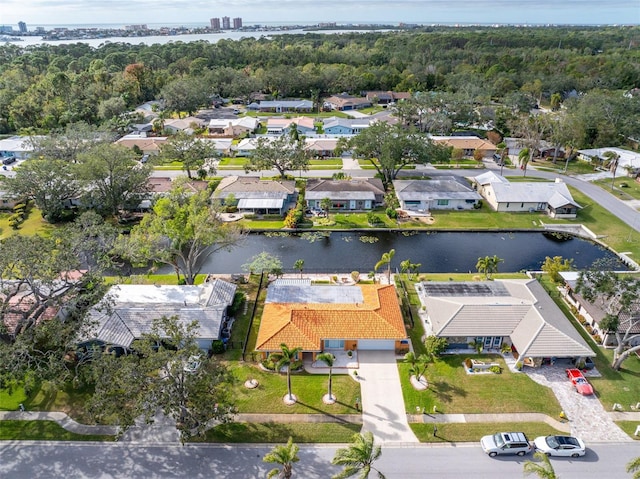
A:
(589, 329)
(15, 221)
(597, 338)
(495, 369)
(238, 299)
(391, 213)
(231, 209)
(217, 346)
(373, 219)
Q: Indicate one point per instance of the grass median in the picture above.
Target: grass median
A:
(16, 430)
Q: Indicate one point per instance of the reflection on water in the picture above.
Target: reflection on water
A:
(438, 252)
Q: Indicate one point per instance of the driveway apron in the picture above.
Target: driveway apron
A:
(588, 419)
(382, 403)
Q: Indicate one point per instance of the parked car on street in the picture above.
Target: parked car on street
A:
(506, 443)
(579, 382)
(567, 446)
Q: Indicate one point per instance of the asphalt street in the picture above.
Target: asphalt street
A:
(118, 460)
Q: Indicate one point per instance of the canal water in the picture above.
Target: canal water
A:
(438, 252)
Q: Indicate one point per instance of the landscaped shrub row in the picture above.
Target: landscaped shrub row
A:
(295, 216)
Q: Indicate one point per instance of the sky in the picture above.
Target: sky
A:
(176, 12)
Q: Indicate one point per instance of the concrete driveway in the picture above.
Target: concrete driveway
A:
(383, 411)
(587, 417)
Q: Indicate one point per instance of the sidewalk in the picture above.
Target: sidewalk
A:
(70, 425)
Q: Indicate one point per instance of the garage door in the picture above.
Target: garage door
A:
(376, 344)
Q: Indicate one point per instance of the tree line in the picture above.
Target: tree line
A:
(45, 87)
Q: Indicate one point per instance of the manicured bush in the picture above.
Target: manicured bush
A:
(217, 346)
(391, 213)
(496, 369)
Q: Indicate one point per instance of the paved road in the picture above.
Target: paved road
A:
(101, 461)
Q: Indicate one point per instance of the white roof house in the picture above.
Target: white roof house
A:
(553, 198)
(127, 312)
(441, 193)
(18, 146)
(627, 159)
(518, 311)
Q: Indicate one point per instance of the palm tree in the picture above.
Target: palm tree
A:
(299, 265)
(543, 470)
(285, 456)
(328, 359)
(287, 359)
(386, 259)
(524, 157)
(634, 466)
(418, 364)
(488, 265)
(358, 458)
(326, 204)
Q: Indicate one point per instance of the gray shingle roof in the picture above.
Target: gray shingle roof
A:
(127, 312)
(534, 192)
(520, 309)
(445, 187)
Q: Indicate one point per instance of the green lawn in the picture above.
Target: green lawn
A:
(170, 279)
(12, 397)
(623, 386)
(309, 388)
(630, 428)
(243, 319)
(357, 221)
(232, 163)
(616, 233)
(452, 390)
(280, 433)
(258, 224)
(472, 432)
(32, 225)
(629, 192)
(42, 431)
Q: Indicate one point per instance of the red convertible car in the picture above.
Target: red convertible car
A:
(579, 381)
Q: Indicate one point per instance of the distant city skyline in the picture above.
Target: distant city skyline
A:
(66, 12)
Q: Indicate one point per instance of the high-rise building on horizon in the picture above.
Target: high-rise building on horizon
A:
(237, 23)
(22, 27)
(226, 23)
(215, 23)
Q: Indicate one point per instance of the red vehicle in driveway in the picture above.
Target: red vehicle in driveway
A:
(579, 382)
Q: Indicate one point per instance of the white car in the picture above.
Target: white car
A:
(560, 446)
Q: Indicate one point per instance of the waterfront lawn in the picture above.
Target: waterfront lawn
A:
(452, 390)
(615, 232)
(308, 388)
(473, 432)
(343, 221)
(16, 430)
(279, 433)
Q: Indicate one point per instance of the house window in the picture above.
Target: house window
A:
(443, 202)
(334, 344)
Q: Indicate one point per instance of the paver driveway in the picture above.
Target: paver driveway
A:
(588, 419)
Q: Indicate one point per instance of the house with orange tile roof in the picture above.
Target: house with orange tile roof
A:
(321, 318)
